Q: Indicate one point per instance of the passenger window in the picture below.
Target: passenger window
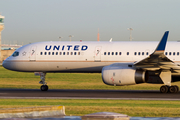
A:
(166, 53)
(104, 53)
(45, 53)
(169, 53)
(15, 54)
(119, 53)
(52, 53)
(49, 53)
(139, 53)
(78, 53)
(67, 53)
(116, 53)
(74, 53)
(127, 53)
(177, 53)
(112, 53)
(135, 53)
(56, 53)
(174, 53)
(64, 53)
(60, 53)
(71, 53)
(147, 53)
(41, 53)
(142, 53)
(108, 53)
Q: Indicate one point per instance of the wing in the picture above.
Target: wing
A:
(157, 60)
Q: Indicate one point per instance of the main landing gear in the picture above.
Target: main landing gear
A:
(165, 76)
(44, 87)
(169, 89)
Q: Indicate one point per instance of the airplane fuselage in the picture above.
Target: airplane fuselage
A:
(83, 56)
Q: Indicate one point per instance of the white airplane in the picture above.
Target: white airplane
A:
(121, 63)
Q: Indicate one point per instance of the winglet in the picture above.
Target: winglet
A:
(162, 44)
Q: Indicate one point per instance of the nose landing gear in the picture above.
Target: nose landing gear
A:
(44, 87)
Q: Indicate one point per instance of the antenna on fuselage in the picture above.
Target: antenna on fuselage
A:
(110, 40)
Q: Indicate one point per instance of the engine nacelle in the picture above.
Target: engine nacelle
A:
(116, 74)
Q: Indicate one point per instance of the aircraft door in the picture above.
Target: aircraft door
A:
(32, 56)
(97, 57)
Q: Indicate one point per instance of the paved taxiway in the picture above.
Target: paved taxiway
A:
(87, 94)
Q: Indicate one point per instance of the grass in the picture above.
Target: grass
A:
(136, 108)
(23, 80)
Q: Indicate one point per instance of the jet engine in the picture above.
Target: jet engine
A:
(118, 74)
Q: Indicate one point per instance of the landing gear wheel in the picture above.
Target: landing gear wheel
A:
(44, 88)
(172, 89)
(164, 89)
(177, 88)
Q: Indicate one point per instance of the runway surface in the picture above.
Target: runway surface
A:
(87, 94)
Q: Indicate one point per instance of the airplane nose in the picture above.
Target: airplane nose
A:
(6, 64)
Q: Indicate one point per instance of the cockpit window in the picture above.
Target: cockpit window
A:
(15, 54)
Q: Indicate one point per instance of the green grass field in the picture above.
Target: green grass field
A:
(142, 108)
(23, 80)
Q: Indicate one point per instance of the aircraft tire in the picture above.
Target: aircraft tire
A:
(44, 88)
(177, 88)
(164, 89)
(173, 89)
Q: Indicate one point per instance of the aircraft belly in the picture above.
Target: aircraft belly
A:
(61, 66)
